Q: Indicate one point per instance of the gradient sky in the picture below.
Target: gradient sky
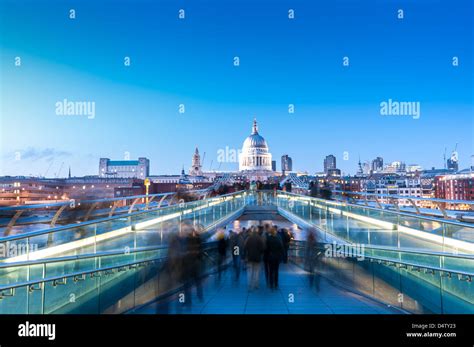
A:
(190, 62)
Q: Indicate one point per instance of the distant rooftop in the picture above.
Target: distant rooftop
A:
(122, 162)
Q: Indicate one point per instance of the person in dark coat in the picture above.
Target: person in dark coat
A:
(222, 253)
(243, 258)
(254, 247)
(312, 259)
(236, 248)
(285, 239)
(266, 264)
(192, 264)
(171, 273)
(275, 253)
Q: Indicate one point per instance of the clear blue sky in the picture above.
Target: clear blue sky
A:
(190, 62)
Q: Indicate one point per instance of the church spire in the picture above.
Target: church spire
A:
(360, 171)
(255, 127)
(195, 169)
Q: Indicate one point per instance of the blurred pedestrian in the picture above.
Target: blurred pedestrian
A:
(254, 247)
(275, 253)
(236, 248)
(311, 259)
(285, 237)
(171, 272)
(245, 234)
(193, 260)
(221, 253)
(266, 264)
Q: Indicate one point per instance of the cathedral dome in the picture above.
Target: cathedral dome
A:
(255, 141)
(255, 155)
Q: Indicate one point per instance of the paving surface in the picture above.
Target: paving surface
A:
(294, 296)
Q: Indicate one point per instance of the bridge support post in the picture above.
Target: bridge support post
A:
(172, 198)
(114, 207)
(133, 205)
(56, 215)
(442, 209)
(395, 202)
(161, 200)
(12, 222)
(149, 200)
(378, 203)
(415, 206)
(92, 208)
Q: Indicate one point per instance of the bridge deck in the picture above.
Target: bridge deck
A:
(228, 296)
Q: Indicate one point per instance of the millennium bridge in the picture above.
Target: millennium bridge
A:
(108, 256)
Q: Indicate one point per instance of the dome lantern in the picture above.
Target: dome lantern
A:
(255, 127)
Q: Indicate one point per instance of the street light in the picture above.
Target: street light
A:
(147, 187)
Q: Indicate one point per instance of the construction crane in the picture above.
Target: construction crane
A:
(49, 167)
(59, 171)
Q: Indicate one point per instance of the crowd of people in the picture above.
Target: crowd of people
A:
(257, 245)
(250, 249)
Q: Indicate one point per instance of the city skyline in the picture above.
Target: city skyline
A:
(190, 62)
(65, 169)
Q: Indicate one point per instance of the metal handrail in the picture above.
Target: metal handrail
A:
(79, 257)
(73, 226)
(467, 202)
(100, 220)
(144, 196)
(20, 209)
(86, 272)
(458, 272)
(78, 202)
(55, 278)
(206, 246)
(86, 256)
(411, 251)
(35, 206)
(113, 252)
(339, 203)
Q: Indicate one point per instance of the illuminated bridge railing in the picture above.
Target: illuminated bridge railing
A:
(462, 210)
(418, 282)
(110, 282)
(109, 265)
(14, 218)
(137, 229)
(372, 226)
